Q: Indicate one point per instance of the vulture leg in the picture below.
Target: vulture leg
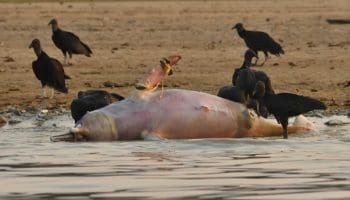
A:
(65, 56)
(284, 122)
(256, 58)
(43, 92)
(65, 59)
(52, 93)
(70, 57)
(266, 57)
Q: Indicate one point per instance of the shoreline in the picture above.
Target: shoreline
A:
(12, 116)
(33, 111)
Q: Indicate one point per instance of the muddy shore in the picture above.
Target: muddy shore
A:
(128, 37)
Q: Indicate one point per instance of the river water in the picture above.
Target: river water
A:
(306, 166)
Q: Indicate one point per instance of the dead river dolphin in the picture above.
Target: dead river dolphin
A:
(173, 114)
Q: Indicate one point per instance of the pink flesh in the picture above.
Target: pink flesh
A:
(154, 76)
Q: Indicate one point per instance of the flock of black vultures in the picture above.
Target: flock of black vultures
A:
(250, 87)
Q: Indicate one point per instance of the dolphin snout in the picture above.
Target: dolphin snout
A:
(94, 126)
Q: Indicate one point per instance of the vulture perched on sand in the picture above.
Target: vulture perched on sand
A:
(259, 41)
(68, 42)
(48, 70)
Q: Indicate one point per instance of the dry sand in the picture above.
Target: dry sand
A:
(128, 37)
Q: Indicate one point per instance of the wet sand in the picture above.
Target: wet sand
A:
(128, 37)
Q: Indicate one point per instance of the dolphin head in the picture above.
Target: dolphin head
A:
(94, 126)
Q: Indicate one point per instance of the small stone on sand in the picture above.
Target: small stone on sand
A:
(2, 121)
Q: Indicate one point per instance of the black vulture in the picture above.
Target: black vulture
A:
(48, 70)
(264, 78)
(259, 75)
(285, 105)
(259, 90)
(259, 41)
(91, 100)
(256, 101)
(68, 42)
(246, 81)
(232, 93)
(249, 78)
(248, 56)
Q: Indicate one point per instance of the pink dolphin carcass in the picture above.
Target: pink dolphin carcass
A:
(173, 114)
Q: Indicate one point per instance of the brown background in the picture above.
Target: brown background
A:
(128, 37)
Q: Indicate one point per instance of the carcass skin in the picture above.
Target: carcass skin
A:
(172, 114)
(176, 114)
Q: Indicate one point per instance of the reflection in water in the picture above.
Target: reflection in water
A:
(313, 166)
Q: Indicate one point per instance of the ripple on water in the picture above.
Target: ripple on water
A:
(314, 166)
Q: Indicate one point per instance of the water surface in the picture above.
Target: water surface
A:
(306, 166)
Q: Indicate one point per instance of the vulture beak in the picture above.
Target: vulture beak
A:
(34, 43)
(238, 26)
(234, 27)
(254, 54)
(51, 22)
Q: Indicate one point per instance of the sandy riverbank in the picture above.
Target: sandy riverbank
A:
(128, 37)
